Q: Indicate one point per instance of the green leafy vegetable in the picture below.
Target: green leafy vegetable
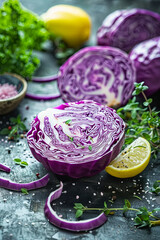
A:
(141, 120)
(90, 148)
(21, 31)
(156, 187)
(62, 51)
(20, 162)
(143, 218)
(17, 129)
(24, 191)
(68, 122)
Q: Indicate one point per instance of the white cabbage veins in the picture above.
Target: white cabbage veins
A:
(91, 125)
(103, 74)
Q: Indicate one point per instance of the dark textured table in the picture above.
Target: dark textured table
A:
(22, 216)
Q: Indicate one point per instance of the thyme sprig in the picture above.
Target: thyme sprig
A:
(16, 129)
(143, 218)
(141, 120)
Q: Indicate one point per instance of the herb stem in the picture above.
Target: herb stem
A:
(108, 209)
(155, 223)
(149, 107)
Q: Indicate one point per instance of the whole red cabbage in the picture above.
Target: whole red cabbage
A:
(76, 139)
(146, 57)
(102, 74)
(126, 28)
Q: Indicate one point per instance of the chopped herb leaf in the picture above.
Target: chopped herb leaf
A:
(90, 148)
(24, 191)
(68, 122)
(20, 162)
(71, 139)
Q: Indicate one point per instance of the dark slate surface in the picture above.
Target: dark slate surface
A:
(21, 216)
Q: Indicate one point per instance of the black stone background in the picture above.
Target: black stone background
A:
(22, 216)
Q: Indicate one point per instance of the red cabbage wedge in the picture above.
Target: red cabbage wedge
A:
(76, 226)
(146, 58)
(76, 139)
(126, 28)
(103, 74)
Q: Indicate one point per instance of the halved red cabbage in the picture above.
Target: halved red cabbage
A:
(146, 57)
(102, 74)
(126, 28)
(76, 139)
(76, 226)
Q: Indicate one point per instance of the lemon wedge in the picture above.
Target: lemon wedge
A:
(132, 160)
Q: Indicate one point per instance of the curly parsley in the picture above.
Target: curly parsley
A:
(21, 32)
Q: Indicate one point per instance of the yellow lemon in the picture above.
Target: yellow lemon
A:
(132, 160)
(70, 23)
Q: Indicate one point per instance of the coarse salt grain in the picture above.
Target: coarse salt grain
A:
(7, 91)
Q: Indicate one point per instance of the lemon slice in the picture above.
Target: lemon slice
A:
(132, 160)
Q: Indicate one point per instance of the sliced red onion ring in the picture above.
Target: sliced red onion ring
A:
(42, 97)
(42, 182)
(4, 168)
(76, 226)
(45, 79)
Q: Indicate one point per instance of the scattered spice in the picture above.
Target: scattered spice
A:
(37, 174)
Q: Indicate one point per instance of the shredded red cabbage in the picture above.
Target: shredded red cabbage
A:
(5, 183)
(75, 226)
(76, 139)
(103, 74)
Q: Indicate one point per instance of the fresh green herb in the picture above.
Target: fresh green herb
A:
(20, 162)
(156, 187)
(71, 138)
(24, 191)
(62, 51)
(141, 120)
(90, 148)
(68, 122)
(139, 146)
(21, 31)
(17, 129)
(91, 138)
(137, 197)
(17, 160)
(143, 218)
(82, 147)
